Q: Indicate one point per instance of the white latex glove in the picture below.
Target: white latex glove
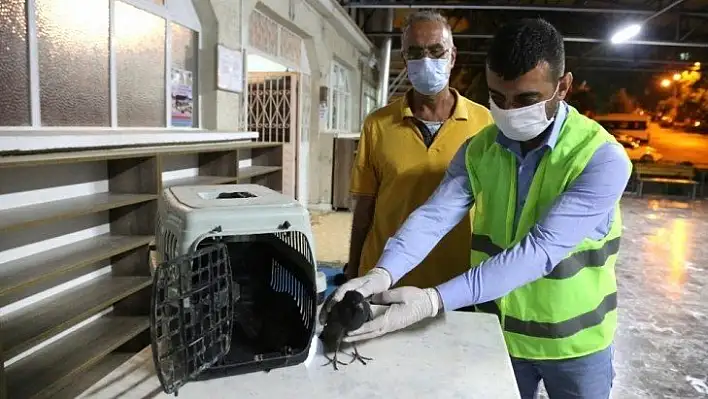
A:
(407, 306)
(376, 281)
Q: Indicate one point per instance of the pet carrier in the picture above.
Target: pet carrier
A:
(235, 289)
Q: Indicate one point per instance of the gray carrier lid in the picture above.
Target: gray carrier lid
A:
(190, 314)
(229, 196)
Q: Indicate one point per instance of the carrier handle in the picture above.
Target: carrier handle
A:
(212, 232)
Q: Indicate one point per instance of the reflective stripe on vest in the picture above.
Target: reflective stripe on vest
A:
(562, 329)
(569, 266)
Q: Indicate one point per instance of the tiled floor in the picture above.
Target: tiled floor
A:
(332, 232)
(662, 272)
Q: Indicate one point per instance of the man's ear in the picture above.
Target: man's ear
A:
(453, 57)
(564, 85)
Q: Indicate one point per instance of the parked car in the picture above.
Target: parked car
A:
(637, 151)
(633, 125)
(698, 126)
(666, 121)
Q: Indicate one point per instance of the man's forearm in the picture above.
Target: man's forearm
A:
(359, 232)
(361, 223)
(584, 211)
(496, 277)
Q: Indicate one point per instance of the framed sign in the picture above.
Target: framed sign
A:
(182, 100)
(230, 69)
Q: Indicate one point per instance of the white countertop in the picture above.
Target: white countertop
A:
(460, 355)
(28, 140)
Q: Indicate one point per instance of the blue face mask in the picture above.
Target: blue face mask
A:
(428, 75)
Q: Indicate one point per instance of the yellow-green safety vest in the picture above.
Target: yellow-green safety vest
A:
(572, 311)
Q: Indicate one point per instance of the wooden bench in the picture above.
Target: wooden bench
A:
(666, 174)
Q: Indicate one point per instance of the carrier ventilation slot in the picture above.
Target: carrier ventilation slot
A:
(235, 194)
(282, 280)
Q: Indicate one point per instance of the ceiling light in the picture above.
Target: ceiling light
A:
(625, 34)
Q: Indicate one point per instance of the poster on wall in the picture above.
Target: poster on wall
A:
(182, 101)
(230, 69)
(323, 113)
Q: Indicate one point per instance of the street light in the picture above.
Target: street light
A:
(677, 77)
(626, 33)
(666, 83)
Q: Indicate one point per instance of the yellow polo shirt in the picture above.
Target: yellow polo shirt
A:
(394, 165)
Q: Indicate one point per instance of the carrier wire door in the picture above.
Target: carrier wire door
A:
(191, 314)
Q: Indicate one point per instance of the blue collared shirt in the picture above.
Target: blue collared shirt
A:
(526, 165)
(584, 210)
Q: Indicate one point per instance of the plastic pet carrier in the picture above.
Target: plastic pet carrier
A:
(235, 289)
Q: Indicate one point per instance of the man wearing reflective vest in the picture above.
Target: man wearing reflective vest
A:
(546, 182)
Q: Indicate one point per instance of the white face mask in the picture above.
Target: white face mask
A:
(522, 124)
(429, 76)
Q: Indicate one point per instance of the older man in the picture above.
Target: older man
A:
(404, 150)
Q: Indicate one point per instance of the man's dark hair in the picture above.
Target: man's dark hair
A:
(521, 45)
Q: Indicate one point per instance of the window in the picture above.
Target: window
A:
(340, 99)
(98, 63)
(368, 100)
(14, 68)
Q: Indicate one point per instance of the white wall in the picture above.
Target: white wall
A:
(326, 39)
(257, 63)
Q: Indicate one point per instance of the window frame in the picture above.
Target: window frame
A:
(368, 91)
(343, 94)
(181, 12)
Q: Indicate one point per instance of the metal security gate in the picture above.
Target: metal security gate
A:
(280, 103)
(273, 112)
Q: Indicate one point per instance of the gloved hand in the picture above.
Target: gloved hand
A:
(377, 280)
(407, 306)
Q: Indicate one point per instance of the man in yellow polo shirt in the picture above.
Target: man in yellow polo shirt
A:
(404, 150)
